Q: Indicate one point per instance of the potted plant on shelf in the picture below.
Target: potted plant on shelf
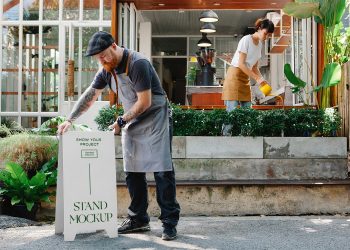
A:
(21, 196)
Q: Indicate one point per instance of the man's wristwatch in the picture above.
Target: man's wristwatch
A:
(121, 122)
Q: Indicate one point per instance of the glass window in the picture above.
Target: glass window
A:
(31, 10)
(8, 120)
(89, 64)
(91, 10)
(29, 122)
(225, 48)
(10, 10)
(9, 75)
(107, 12)
(51, 10)
(70, 10)
(30, 63)
(169, 46)
(50, 80)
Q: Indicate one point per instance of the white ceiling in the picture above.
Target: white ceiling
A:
(187, 22)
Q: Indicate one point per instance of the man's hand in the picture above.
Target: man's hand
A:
(115, 127)
(63, 127)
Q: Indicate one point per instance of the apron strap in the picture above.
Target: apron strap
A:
(126, 71)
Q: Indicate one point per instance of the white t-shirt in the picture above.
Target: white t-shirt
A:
(247, 46)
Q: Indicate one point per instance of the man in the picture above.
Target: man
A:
(146, 130)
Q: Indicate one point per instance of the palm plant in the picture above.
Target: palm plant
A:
(328, 13)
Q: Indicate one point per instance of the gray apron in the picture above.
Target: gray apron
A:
(145, 139)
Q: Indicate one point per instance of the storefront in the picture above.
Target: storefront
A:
(40, 37)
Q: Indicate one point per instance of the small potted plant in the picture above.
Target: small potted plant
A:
(21, 196)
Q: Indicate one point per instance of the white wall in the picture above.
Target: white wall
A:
(145, 34)
(276, 68)
(89, 116)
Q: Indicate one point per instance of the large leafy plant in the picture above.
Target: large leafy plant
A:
(27, 191)
(328, 13)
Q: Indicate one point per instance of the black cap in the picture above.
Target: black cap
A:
(99, 42)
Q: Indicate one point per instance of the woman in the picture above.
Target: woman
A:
(236, 89)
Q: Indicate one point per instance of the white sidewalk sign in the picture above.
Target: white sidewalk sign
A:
(86, 198)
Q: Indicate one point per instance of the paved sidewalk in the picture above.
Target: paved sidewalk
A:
(271, 232)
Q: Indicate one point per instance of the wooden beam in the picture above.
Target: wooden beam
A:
(320, 58)
(114, 31)
(10, 5)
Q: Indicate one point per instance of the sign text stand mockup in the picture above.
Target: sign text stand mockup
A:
(86, 198)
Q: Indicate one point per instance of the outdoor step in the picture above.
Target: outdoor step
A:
(304, 147)
(239, 147)
(253, 169)
(246, 197)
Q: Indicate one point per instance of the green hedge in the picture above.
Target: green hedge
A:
(245, 122)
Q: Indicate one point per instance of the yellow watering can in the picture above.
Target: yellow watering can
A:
(265, 88)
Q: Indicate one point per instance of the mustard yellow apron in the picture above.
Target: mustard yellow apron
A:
(236, 86)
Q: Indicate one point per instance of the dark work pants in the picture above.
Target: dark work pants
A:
(165, 190)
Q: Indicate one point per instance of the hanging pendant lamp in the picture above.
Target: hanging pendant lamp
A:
(208, 28)
(204, 41)
(208, 16)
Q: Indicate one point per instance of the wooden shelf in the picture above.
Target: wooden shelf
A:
(283, 33)
(43, 47)
(278, 49)
(47, 70)
(29, 70)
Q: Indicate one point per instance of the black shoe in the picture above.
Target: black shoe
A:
(131, 225)
(169, 233)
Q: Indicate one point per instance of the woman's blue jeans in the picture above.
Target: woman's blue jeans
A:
(231, 105)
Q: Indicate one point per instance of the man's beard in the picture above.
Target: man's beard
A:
(110, 66)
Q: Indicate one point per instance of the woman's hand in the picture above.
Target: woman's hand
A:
(259, 80)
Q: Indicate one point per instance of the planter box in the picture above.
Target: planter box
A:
(201, 158)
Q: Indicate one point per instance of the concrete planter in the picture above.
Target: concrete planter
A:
(255, 158)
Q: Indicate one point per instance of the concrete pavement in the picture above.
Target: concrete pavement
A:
(255, 232)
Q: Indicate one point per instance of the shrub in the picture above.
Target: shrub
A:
(28, 150)
(330, 123)
(107, 116)
(4, 131)
(302, 122)
(273, 122)
(244, 121)
(11, 126)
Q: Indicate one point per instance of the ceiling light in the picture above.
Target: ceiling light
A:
(204, 41)
(208, 16)
(161, 4)
(273, 3)
(208, 28)
(217, 4)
